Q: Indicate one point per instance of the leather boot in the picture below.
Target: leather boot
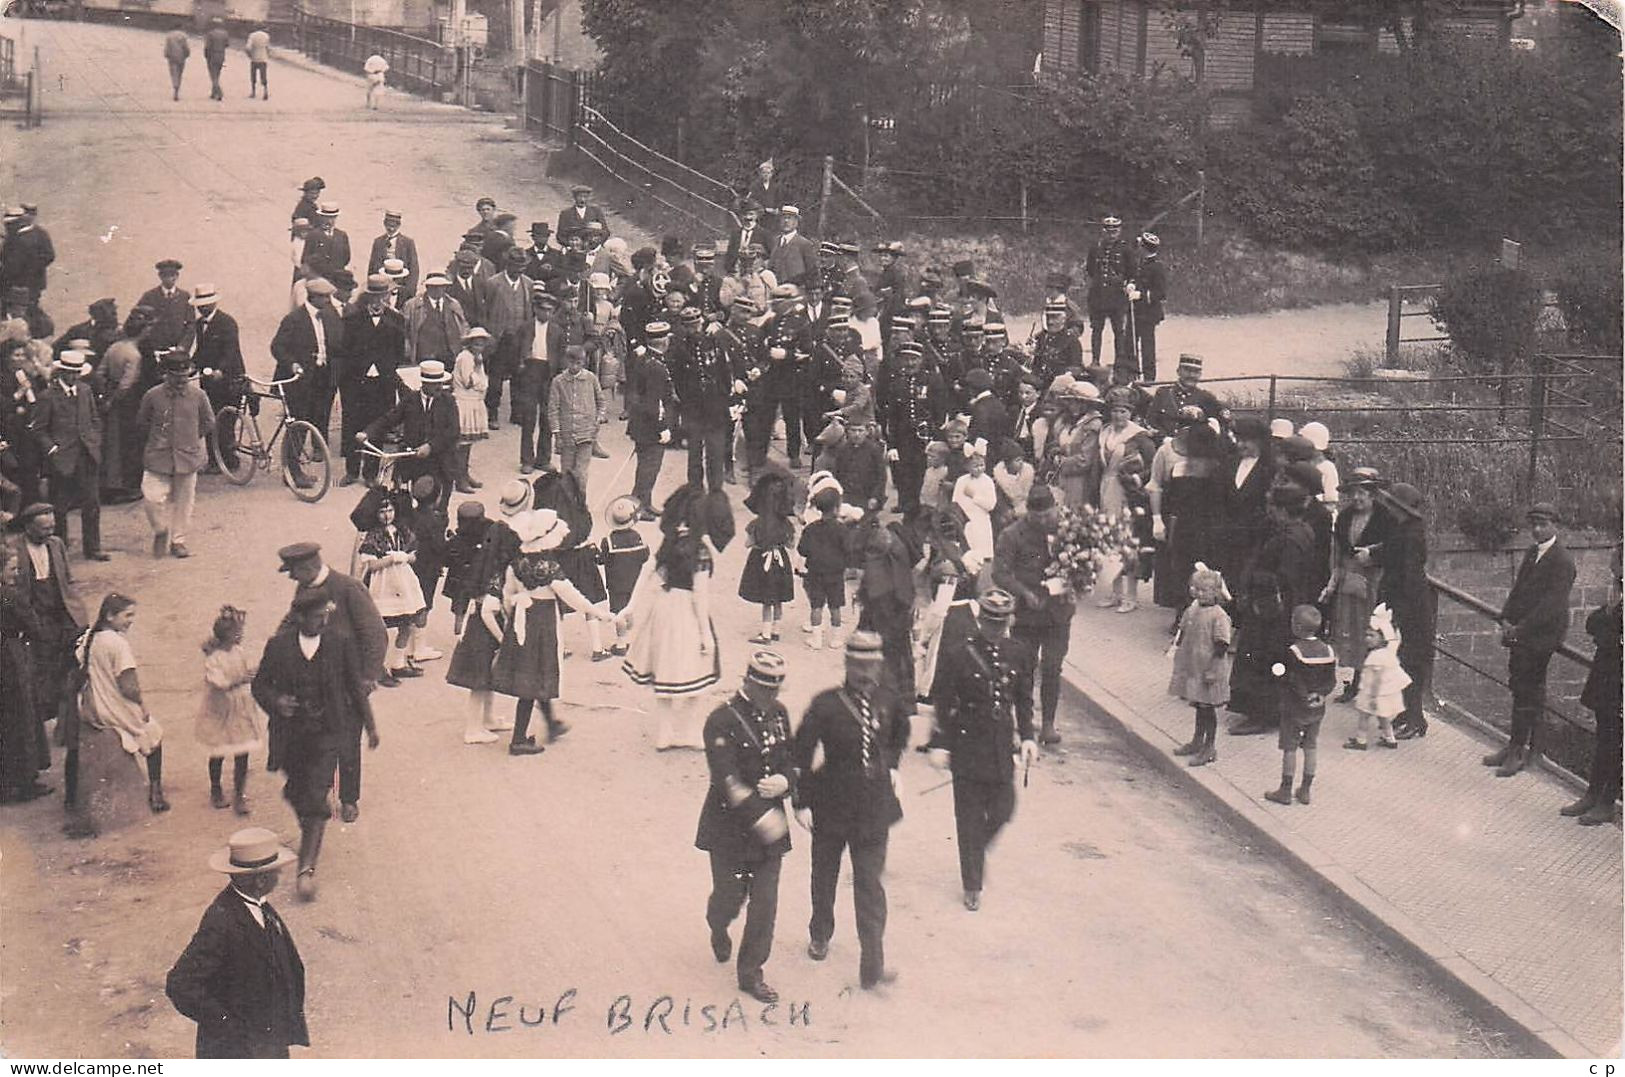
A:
(1283, 794)
(1516, 760)
(1599, 814)
(1495, 759)
(1579, 807)
(310, 851)
(1352, 690)
(1047, 735)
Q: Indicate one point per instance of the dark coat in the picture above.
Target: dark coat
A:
(58, 554)
(367, 345)
(70, 425)
(648, 400)
(406, 250)
(1020, 556)
(345, 706)
(327, 252)
(743, 746)
(1537, 610)
(468, 297)
(795, 262)
(295, 339)
(842, 797)
(436, 428)
(172, 316)
(984, 700)
(24, 256)
(243, 984)
(216, 348)
(1152, 281)
(1602, 687)
(571, 221)
(911, 409)
(356, 615)
(990, 422)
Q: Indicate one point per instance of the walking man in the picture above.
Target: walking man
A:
(258, 48)
(742, 824)
(850, 802)
(985, 699)
(306, 342)
(240, 978)
(174, 420)
(374, 346)
(176, 50)
(217, 356)
(505, 307)
(541, 349)
(1043, 620)
(1533, 623)
(703, 383)
(215, 44)
(69, 428)
(311, 683)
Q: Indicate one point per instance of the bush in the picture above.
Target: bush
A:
(1490, 316)
(1488, 518)
(1589, 295)
(1310, 182)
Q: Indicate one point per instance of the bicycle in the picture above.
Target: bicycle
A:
(304, 452)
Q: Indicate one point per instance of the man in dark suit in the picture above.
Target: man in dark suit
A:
(499, 240)
(1533, 623)
(217, 356)
(374, 346)
(749, 231)
(989, 418)
(765, 191)
(540, 254)
(68, 426)
(309, 341)
(540, 351)
(1043, 621)
(241, 978)
(793, 257)
(26, 253)
(312, 685)
(742, 824)
(395, 244)
(46, 584)
(984, 700)
(428, 423)
(649, 404)
(171, 307)
(574, 217)
(327, 247)
(465, 281)
(850, 802)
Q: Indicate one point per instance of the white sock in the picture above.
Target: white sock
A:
(595, 632)
(817, 636)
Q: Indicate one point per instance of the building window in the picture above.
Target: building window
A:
(1089, 36)
(1339, 37)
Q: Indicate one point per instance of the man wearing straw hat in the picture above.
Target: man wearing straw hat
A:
(217, 356)
(69, 430)
(395, 244)
(427, 418)
(742, 824)
(241, 978)
(850, 802)
(435, 322)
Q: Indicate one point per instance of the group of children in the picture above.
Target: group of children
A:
(1305, 677)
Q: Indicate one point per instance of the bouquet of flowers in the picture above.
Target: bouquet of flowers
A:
(1085, 540)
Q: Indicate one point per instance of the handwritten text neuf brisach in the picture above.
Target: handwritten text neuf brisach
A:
(665, 1014)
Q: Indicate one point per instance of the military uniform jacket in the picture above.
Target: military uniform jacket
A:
(784, 377)
(1163, 415)
(743, 745)
(1152, 281)
(845, 795)
(1056, 352)
(913, 409)
(702, 377)
(742, 345)
(988, 698)
(1110, 265)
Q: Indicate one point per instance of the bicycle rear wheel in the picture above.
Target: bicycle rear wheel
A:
(307, 467)
(242, 446)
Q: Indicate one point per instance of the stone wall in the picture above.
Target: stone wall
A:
(1474, 637)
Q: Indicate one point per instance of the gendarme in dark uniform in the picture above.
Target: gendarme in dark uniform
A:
(852, 798)
(985, 699)
(743, 823)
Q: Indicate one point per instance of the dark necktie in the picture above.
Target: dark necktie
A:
(867, 721)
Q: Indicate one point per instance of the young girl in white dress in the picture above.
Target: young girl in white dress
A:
(229, 722)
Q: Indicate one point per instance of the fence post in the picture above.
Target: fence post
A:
(1026, 225)
(1391, 349)
(576, 91)
(1541, 368)
(823, 197)
(1201, 207)
(1272, 399)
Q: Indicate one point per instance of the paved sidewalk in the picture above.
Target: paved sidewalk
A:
(1479, 875)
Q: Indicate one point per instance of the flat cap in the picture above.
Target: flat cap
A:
(298, 551)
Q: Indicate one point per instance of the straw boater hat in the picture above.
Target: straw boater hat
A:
(205, 295)
(623, 510)
(541, 530)
(516, 497)
(72, 362)
(395, 269)
(478, 332)
(433, 372)
(251, 851)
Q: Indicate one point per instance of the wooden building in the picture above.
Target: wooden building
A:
(1224, 52)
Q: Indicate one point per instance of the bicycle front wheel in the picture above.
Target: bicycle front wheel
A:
(235, 449)
(307, 467)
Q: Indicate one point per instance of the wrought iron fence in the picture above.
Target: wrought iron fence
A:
(415, 63)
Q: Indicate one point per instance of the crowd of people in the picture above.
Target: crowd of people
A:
(929, 464)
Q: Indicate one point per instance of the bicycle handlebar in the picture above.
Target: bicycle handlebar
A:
(370, 449)
(274, 384)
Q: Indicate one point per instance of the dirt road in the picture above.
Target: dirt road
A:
(1119, 919)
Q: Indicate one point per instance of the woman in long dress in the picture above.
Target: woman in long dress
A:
(1186, 498)
(1121, 439)
(23, 748)
(1359, 531)
(1077, 448)
(528, 659)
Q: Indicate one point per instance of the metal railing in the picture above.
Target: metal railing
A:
(1401, 297)
(1569, 736)
(415, 63)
